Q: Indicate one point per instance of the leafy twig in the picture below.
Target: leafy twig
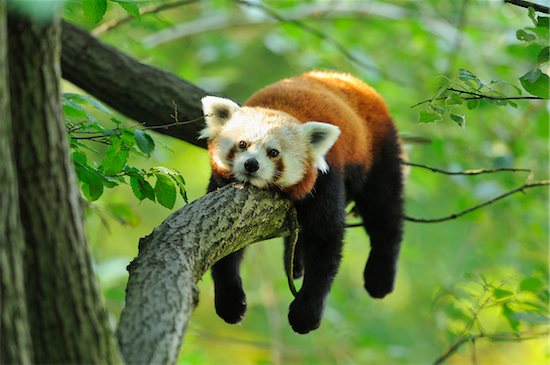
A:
(477, 96)
(501, 337)
(115, 23)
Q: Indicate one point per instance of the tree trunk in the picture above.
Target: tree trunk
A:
(68, 322)
(143, 93)
(162, 291)
(15, 343)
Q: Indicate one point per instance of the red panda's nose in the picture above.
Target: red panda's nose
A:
(251, 165)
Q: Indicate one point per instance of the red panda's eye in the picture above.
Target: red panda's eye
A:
(242, 145)
(273, 153)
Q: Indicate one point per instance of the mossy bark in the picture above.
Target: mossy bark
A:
(67, 319)
(15, 341)
(162, 291)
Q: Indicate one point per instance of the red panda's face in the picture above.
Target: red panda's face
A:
(264, 147)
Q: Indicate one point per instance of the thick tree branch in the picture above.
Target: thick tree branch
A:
(162, 292)
(141, 92)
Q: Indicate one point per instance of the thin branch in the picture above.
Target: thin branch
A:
(115, 23)
(477, 96)
(465, 172)
(528, 4)
(500, 337)
(482, 96)
(488, 202)
(469, 210)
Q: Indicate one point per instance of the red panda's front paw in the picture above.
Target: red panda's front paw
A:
(230, 305)
(304, 316)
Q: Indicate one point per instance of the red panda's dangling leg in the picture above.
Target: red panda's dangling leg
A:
(230, 300)
(380, 204)
(322, 218)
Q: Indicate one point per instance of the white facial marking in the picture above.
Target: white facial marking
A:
(243, 137)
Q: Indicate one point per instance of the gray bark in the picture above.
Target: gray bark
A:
(68, 322)
(15, 342)
(162, 291)
(141, 92)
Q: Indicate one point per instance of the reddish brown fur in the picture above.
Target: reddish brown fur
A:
(304, 187)
(339, 99)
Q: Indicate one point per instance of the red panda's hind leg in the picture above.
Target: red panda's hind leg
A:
(380, 204)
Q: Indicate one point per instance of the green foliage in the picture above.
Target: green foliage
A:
(226, 49)
(467, 88)
(95, 10)
(111, 167)
(523, 304)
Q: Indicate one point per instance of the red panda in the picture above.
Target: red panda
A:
(323, 138)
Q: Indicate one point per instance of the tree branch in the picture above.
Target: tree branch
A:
(465, 172)
(476, 207)
(162, 291)
(143, 93)
(477, 96)
(528, 4)
(500, 337)
(153, 9)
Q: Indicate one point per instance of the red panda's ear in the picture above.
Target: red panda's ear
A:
(217, 111)
(322, 137)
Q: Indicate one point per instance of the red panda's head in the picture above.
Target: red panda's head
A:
(264, 147)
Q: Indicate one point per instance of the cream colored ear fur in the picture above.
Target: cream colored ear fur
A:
(322, 137)
(217, 111)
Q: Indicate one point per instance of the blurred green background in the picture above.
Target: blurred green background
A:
(487, 259)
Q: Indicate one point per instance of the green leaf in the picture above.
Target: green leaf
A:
(510, 317)
(165, 191)
(472, 103)
(92, 186)
(544, 55)
(531, 284)
(141, 188)
(522, 35)
(116, 157)
(532, 14)
(144, 141)
(536, 83)
(181, 185)
(466, 75)
(532, 318)
(502, 293)
(85, 98)
(127, 137)
(543, 22)
(79, 156)
(73, 110)
(94, 9)
(454, 99)
(428, 117)
(131, 9)
(458, 119)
